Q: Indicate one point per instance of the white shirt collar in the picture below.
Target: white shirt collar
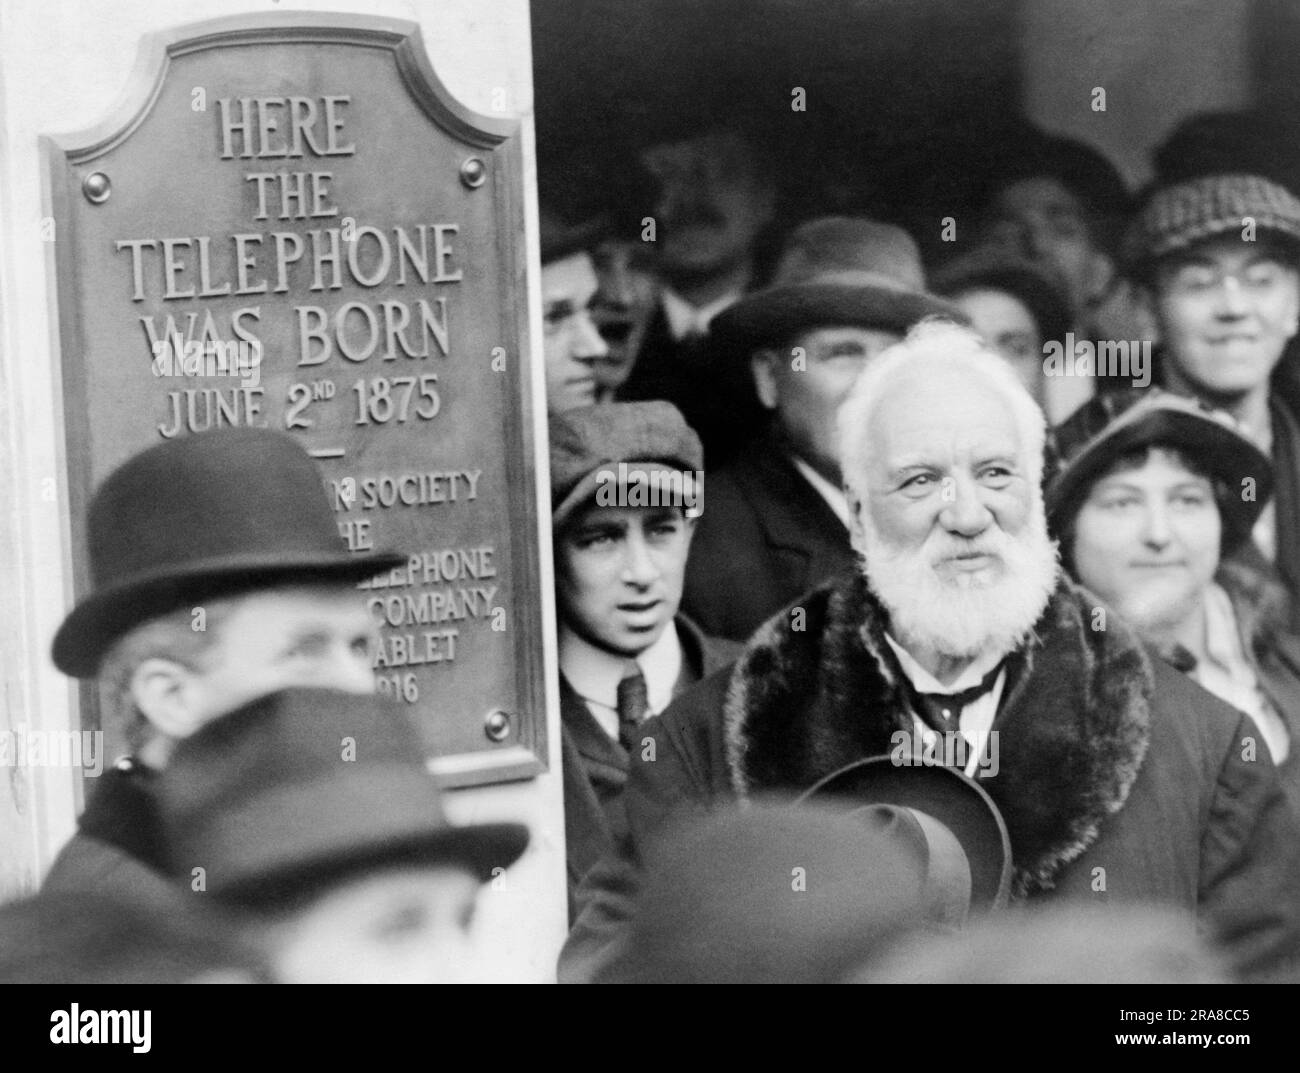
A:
(685, 319)
(595, 673)
(835, 497)
(924, 682)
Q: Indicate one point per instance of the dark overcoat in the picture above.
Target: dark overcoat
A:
(1120, 779)
(766, 537)
(117, 849)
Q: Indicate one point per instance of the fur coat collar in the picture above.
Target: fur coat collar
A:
(815, 692)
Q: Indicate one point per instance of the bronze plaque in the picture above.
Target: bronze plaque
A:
(291, 224)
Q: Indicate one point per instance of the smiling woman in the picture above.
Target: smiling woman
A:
(1148, 494)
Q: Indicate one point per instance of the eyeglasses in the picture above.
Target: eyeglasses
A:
(1259, 277)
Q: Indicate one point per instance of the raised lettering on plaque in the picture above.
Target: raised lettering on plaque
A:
(291, 224)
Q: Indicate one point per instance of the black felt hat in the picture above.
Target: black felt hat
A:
(1109, 426)
(835, 271)
(946, 802)
(199, 517)
(305, 785)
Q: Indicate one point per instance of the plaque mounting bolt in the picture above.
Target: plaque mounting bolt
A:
(473, 172)
(96, 186)
(497, 725)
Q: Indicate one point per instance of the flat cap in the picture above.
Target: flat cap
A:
(1178, 216)
(589, 443)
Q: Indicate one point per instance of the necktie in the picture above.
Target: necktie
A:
(942, 711)
(633, 703)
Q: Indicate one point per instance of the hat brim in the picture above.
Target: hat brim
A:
(585, 490)
(304, 834)
(1049, 308)
(947, 795)
(769, 317)
(105, 615)
(1224, 453)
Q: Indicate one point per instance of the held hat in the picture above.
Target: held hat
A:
(305, 785)
(1177, 216)
(616, 445)
(1109, 426)
(835, 271)
(964, 833)
(998, 269)
(195, 518)
(768, 894)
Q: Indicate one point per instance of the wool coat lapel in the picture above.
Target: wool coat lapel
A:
(817, 688)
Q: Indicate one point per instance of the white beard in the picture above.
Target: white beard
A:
(967, 615)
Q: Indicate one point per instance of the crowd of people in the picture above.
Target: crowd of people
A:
(1018, 511)
(916, 621)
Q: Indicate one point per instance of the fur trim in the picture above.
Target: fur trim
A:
(1072, 732)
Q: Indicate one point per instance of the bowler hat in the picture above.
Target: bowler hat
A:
(835, 271)
(998, 269)
(304, 785)
(1109, 426)
(948, 806)
(588, 444)
(195, 518)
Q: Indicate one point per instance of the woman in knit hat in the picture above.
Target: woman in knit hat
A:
(1148, 493)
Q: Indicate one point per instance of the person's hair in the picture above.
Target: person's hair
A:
(935, 346)
(1130, 460)
(171, 636)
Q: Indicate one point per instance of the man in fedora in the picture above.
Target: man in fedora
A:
(1120, 780)
(778, 521)
(626, 489)
(311, 814)
(218, 576)
(1061, 204)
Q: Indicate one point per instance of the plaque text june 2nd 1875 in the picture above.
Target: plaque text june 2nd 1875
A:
(292, 225)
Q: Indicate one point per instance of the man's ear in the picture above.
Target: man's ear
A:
(762, 369)
(164, 692)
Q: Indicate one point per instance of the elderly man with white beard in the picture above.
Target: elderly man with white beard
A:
(1120, 781)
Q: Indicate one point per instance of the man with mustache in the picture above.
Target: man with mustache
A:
(713, 203)
(1120, 781)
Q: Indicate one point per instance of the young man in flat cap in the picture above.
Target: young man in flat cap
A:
(1217, 260)
(218, 576)
(626, 488)
(311, 815)
(778, 522)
